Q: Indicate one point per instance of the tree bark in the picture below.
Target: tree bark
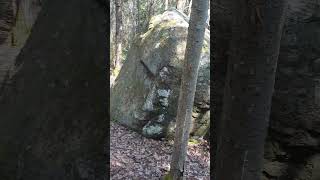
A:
(29, 13)
(53, 116)
(25, 15)
(6, 19)
(180, 4)
(118, 34)
(150, 9)
(138, 17)
(188, 86)
(189, 9)
(222, 20)
(172, 3)
(256, 34)
(166, 4)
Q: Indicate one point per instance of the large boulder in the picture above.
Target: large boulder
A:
(144, 97)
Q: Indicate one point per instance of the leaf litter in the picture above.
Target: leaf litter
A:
(135, 157)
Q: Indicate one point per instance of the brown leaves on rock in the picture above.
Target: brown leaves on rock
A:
(133, 156)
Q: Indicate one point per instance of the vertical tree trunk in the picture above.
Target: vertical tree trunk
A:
(150, 10)
(166, 4)
(53, 116)
(257, 29)
(134, 15)
(138, 17)
(6, 19)
(172, 3)
(15, 11)
(26, 15)
(189, 9)
(222, 20)
(188, 86)
(208, 20)
(118, 34)
(28, 12)
(180, 4)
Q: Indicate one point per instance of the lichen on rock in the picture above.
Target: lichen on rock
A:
(152, 130)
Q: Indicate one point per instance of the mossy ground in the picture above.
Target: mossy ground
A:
(167, 177)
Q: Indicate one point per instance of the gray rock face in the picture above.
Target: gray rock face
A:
(144, 96)
(294, 131)
(296, 108)
(295, 116)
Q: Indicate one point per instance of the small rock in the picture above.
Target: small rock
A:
(152, 129)
(274, 169)
(163, 93)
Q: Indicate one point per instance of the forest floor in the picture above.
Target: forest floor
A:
(136, 157)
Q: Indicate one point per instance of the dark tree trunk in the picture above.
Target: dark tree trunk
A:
(194, 45)
(256, 34)
(54, 115)
(150, 10)
(221, 35)
(6, 19)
